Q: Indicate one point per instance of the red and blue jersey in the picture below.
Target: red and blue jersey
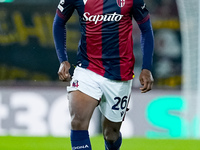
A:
(106, 44)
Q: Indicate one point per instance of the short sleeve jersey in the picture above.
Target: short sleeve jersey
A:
(106, 44)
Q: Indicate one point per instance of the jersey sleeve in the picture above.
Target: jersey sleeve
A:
(142, 17)
(139, 11)
(147, 44)
(65, 9)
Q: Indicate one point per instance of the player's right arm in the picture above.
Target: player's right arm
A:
(64, 11)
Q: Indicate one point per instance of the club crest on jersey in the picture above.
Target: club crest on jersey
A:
(120, 3)
(84, 1)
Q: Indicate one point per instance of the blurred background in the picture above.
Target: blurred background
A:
(34, 103)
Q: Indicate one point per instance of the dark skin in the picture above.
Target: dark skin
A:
(78, 101)
(146, 80)
(63, 72)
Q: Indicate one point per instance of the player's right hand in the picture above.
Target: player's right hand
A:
(63, 72)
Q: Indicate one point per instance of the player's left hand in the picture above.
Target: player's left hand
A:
(146, 80)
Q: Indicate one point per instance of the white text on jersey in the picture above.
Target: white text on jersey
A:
(106, 17)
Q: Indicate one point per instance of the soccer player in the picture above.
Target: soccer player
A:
(104, 72)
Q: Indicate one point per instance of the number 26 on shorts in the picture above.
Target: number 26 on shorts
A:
(121, 103)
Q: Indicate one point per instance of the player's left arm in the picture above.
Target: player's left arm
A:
(142, 17)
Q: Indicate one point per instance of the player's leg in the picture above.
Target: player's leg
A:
(84, 94)
(81, 108)
(112, 135)
(113, 105)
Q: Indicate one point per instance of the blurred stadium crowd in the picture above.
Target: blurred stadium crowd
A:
(27, 51)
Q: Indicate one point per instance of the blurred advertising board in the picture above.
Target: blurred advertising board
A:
(37, 111)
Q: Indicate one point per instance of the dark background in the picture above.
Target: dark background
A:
(27, 50)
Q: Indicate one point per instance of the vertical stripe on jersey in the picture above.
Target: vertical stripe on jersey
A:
(126, 42)
(94, 38)
(82, 47)
(110, 42)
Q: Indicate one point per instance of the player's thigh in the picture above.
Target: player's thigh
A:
(81, 106)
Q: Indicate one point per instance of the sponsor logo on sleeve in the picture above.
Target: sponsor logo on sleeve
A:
(60, 7)
(143, 7)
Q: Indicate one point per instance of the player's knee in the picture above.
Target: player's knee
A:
(79, 124)
(111, 135)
